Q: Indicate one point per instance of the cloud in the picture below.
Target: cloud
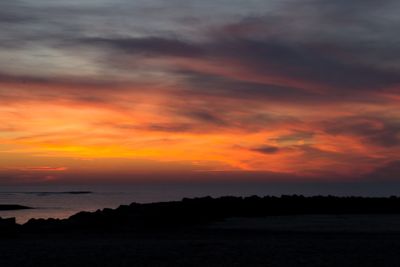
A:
(204, 116)
(289, 52)
(40, 169)
(278, 68)
(147, 46)
(295, 138)
(379, 131)
(203, 84)
(266, 149)
(169, 127)
(301, 81)
(388, 171)
(45, 169)
(307, 63)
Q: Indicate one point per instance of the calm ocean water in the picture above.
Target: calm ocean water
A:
(62, 201)
(58, 202)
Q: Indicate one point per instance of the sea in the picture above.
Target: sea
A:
(62, 201)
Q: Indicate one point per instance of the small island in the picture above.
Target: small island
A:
(13, 207)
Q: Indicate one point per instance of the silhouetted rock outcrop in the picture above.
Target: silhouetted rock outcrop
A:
(189, 212)
(8, 226)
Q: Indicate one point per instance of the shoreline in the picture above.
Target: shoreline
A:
(191, 211)
(226, 231)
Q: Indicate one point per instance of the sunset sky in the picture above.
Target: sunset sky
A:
(211, 89)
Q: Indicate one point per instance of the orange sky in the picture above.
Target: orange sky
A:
(134, 133)
(253, 88)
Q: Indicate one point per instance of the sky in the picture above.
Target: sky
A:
(270, 90)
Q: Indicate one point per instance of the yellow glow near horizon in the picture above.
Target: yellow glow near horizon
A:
(58, 131)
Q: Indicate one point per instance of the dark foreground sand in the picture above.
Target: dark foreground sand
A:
(303, 240)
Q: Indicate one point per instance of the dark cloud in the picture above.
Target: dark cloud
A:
(56, 88)
(218, 114)
(294, 138)
(379, 131)
(389, 171)
(202, 83)
(266, 149)
(63, 80)
(148, 46)
(205, 117)
(170, 127)
(8, 18)
(303, 43)
(305, 62)
(14, 12)
(307, 71)
(311, 152)
(105, 92)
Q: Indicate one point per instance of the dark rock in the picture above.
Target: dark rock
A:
(8, 226)
(196, 211)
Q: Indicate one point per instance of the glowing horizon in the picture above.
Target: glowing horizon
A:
(204, 87)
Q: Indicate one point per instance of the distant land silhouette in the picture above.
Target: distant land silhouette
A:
(13, 207)
(195, 211)
(46, 193)
(226, 231)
